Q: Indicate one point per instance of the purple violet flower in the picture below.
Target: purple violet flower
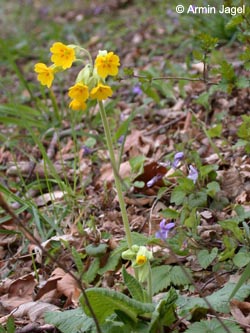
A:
(177, 158)
(137, 90)
(121, 139)
(86, 150)
(164, 229)
(154, 180)
(193, 173)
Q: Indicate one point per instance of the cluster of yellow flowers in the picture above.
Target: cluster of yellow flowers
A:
(90, 82)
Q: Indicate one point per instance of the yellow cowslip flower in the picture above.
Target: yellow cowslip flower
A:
(107, 64)
(62, 55)
(79, 92)
(45, 74)
(101, 92)
(140, 259)
(77, 105)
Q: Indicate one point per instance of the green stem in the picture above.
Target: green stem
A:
(149, 283)
(116, 175)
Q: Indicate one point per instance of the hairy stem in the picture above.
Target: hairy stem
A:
(116, 175)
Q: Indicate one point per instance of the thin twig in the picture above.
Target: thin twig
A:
(175, 78)
(164, 126)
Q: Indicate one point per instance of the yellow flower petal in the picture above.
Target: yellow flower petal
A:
(79, 92)
(77, 105)
(45, 74)
(62, 55)
(101, 92)
(141, 259)
(107, 64)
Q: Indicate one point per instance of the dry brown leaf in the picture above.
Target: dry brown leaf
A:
(44, 199)
(241, 312)
(33, 310)
(7, 239)
(231, 182)
(68, 286)
(107, 174)
(66, 238)
(23, 286)
(19, 292)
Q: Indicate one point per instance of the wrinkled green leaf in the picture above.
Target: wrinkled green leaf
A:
(105, 302)
(213, 326)
(70, 321)
(134, 287)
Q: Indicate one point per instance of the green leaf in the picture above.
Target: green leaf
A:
(243, 131)
(213, 326)
(205, 170)
(70, 321)
(241, 259)
(90, 142)
(207, 42)
(186, 184)
(105, 302)
(234, 22)
(2, 330)
(78, 260)
(128, 71)
(151, 92)
(91, 273)
(193, 220)
(137, 163)
(178, 277)
(213, 188)
(197, 199)
(177, 196)
(203, 100)
(160, 278)
(215, 131)
(232, 225)
(134, 287)
(244, 277)
(10, 325)
(227, 72)
(123, 129)
(139, 184)
(164, 313)
(21, 115)
(205, 258)
(198, 55)
(165, 275)
(96, 250)
(219, 300)
(169, 213)
(111, 264)
(242, 82)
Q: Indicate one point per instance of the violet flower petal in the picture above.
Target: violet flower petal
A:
(193, 174)
(177, 158)
(154, 180)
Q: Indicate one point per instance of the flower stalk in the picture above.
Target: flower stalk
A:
(116, 175)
